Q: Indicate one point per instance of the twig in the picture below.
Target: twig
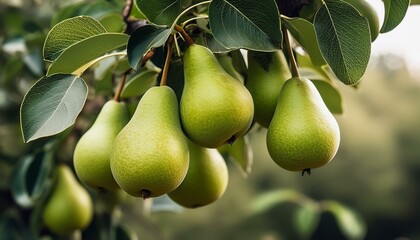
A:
(185, 35)
(164, 78)
(120, 86)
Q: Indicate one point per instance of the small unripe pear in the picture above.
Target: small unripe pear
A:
(93, 151)
(206, 180)
(69, 206)
(303, 133)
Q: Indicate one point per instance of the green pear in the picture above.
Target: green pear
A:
(150, 155)
(206, 180)
(215, 107)
(69, 206)
(267, 73)
(93, 151)
(303, 133)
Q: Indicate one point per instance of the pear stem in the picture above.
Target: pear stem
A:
(184, 34)
(147, 57)
(127, 10)
(144, 193)
(306, 170)
(164, 78)
(294, 67)
(120, 87)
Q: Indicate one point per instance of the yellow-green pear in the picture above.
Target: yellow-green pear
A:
(267, 72)
(303, 133)
(206, 180)
(93, 151)
(69, 206)
(150, 155)
(215, 107)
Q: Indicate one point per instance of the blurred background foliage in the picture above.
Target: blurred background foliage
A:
(370, 190)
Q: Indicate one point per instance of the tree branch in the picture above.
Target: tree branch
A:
(127, 10)
(164, 78)
(184, 34)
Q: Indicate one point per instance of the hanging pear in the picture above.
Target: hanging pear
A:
(303, 133)
(69, 206)
(150, 155)
(206, 180)
(267, 72)
(93, 151)
(215, 107)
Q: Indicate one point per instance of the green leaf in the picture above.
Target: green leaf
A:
(306, 219)
(239, 62)
(98, 9)
(144, 39)
(330, 95)
(51, 105)
(165, 204)
(69, 32)
(79, 56)
(304, 33)
(33, 60)
(306, 67)
(268, 200)
(162, 12)
(10, 69)
(123, 232)
(240, 153)
(113, 22)
(395, 11)
(344, 40)
(11, 227)
(250, 24)
(176, 80)
(30, 179)
(69, 11)
(350, 222)
(139, 83)
(214, 45)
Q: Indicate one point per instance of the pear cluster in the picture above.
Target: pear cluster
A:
(171, 147)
